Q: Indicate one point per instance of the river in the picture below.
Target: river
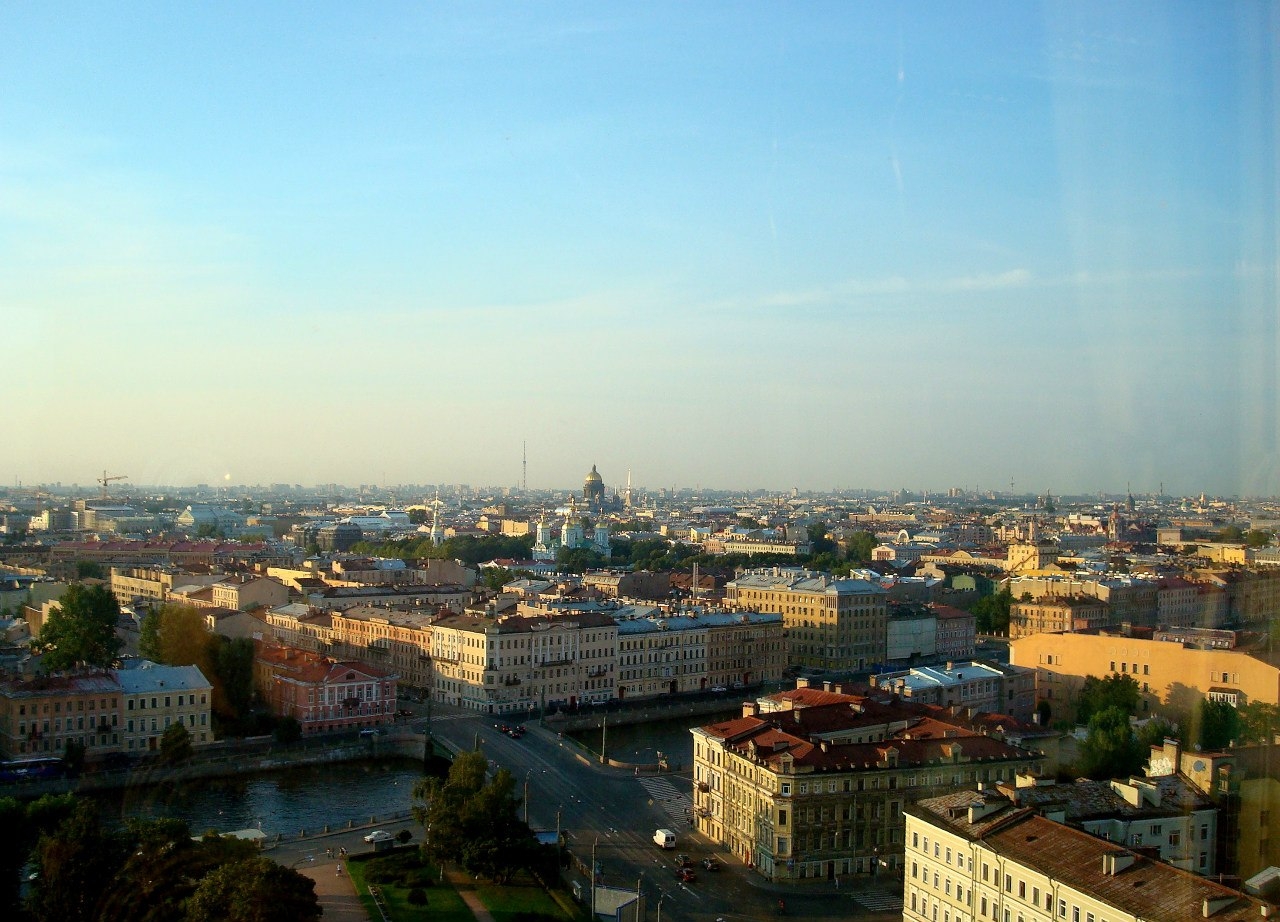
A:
(285, 801)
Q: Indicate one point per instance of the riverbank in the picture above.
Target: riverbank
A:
(231, 759)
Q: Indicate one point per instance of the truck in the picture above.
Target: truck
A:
(664, 838)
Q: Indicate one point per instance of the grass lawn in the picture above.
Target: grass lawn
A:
(443, 902)
(521, 896)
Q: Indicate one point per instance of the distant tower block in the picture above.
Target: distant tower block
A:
(593, 489)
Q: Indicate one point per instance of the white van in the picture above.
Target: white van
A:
(664, 838)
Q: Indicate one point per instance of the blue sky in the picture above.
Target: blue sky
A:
(738, 245)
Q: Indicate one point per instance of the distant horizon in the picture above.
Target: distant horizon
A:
(870, 493)
(956, 244)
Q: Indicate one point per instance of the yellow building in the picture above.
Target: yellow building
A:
(1164, 670)
(834, 624)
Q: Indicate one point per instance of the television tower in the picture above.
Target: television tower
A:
(524, 466)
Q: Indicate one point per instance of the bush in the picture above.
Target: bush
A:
(417, 897)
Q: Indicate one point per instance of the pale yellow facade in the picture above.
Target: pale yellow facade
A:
(1163, 670)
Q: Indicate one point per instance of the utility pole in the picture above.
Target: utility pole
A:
(604, 729)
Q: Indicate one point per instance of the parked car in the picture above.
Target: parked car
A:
(710, 864)
(379, 835)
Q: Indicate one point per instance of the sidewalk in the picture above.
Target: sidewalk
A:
(465, 886)
(336, 892)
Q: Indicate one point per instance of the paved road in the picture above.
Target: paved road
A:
(613, 813)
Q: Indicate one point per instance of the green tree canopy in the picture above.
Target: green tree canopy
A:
(1111, 749)
(1259, 722)
(176, 635)
(81, 630)
(1219, 725)
(253, 890)
(472, 821)
(175, 744)
(859, 545)
(1115, 691)
(991, 612)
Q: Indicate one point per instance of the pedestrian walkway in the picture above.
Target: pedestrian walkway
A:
(464, 884)
(879, 900)
(336, 892)
(662, 793)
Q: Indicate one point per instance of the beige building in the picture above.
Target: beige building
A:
(1056, 613)
(153, 584)
(40, 716)
(813, 784)
(301, 626)
(397, 641)
(518, 663)
(835, 624)
(1162, 669)
(157, 696)
(972, 856)
(244, 591)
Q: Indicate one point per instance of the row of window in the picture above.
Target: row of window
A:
(94, 704)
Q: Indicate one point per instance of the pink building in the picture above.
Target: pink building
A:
(321, 693)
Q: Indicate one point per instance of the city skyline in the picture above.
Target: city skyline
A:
(743, 246)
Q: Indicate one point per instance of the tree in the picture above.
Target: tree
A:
(81, 630)
(991, 612)
(819, 543)
(1115, 691)
(77, 864)
(175, 744)
(1111, 749)
(1219, 725)
(1258, 722)
(231, 673)
(176, 635)
(472, 821)
(254, 890)
(1257, 537)
(859, 545)
(288, 730)
(89, 569)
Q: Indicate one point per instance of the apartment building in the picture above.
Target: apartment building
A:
(973, 856)
(153, 584)
(157, 696)
(243, 591)
(322, 693)
(399, 641)
(813, 784)
(39, 716)
(521, 662)
(1053, 613)
(301, 626)
(1166, 816)
(831, 624)
(975, 684)
(1063, 661)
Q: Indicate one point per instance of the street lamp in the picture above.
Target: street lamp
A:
(661, 896)
(526, 796)
(593, 882)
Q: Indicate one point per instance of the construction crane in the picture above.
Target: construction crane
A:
(106, 478)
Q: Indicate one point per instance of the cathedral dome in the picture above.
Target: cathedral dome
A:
(593, 476)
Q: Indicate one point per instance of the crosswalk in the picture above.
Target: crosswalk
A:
(879, 900)
(662, 793)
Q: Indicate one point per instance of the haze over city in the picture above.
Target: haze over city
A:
(833, 245)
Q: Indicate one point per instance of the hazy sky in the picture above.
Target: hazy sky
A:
(748, 244)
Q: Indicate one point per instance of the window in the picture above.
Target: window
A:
(1022, 889)
(1062, 908)
(1008, 884)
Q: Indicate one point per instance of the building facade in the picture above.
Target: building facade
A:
(831, 624)
(156, 696)
(972, 856)
(321, 693)
(816, 786)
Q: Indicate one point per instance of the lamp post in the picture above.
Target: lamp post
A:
(593, 880)
(526, 796)
(661, 896)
